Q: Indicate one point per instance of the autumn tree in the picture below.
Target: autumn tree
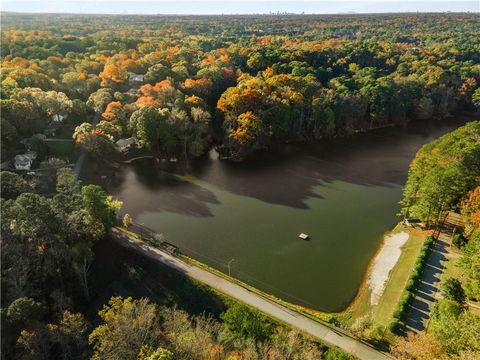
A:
(127, 325)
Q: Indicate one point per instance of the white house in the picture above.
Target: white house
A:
(24, 161)
(126, 144)
(58, 118)
(135, 78)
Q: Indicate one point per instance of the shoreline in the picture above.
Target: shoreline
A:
(364, 284)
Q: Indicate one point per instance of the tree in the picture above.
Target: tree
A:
(191, 337)
(127, 325)
(100, 207)
(70, 335)
(242, 321)
(112, 130)
(452, 289)
(470, 263)
(49, 103)
(417, 346)
(470, 209)
(127, 220)
(94, 140)
(455, 328)
(98, 100)
(476, 98)
(147, 353)
(442, 172)
(157, 73)
(113, 75)
(145, 123)
(248, 130)
(13, 185)
(24, 310)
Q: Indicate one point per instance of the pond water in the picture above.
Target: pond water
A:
(343, 193)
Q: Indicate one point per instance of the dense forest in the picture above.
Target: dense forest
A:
(174, 88)
(234, 82)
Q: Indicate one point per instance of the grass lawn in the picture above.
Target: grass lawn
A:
(382, 313)
(451, 268)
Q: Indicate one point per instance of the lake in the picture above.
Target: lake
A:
(343, 193)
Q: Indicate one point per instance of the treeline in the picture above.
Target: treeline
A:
(445, 175)
(236, 83)
(137, 329)
(46, 255)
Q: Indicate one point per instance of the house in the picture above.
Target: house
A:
(58, 118)
(132, 92)
(126, 144)
(135, 79)
(24, 161)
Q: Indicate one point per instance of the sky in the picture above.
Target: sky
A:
(199, 7)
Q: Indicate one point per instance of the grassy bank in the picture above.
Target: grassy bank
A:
(382, 313)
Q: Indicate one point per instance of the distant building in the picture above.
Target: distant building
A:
(126, 144)
(135, 79)
(24, 161)
(58, 118)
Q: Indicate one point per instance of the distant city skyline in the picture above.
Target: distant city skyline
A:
(217, 7)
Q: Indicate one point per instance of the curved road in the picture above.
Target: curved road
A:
(314, 328)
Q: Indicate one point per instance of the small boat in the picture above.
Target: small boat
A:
(303, 236)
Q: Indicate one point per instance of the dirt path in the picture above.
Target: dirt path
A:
(314, 328)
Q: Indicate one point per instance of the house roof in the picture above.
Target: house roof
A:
(126, 142)
(25, 158)
(135, 77)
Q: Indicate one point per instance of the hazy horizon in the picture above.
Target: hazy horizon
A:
(217, 7)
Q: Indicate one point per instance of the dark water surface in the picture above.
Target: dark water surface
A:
(343, 193)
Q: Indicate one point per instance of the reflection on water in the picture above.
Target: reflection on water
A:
(343, 193)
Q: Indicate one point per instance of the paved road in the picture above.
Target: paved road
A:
(292, 318)
(426, 292)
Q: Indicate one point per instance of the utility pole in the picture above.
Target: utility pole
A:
(228, 264)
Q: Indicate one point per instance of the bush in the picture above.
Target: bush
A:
(458, 241)
(394, 325)
(335, 354)
(127, 221)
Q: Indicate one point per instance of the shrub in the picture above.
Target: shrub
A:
(394, 325)
(334, 354)
(127, 221)
(458, 241)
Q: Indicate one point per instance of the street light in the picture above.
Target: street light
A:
(228, 264)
